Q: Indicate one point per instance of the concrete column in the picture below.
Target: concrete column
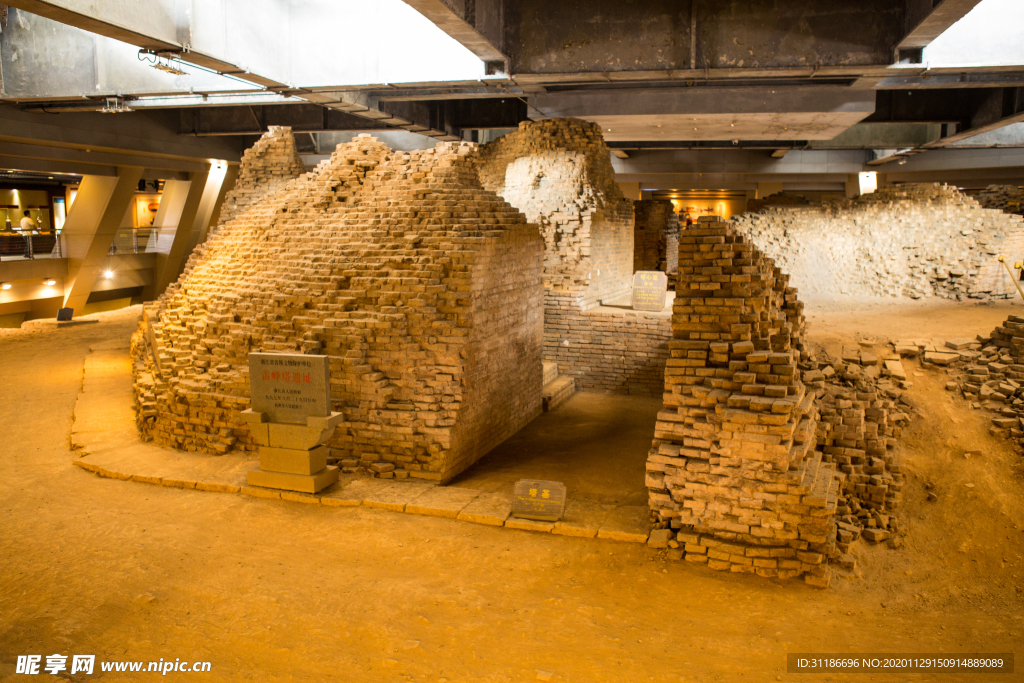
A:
(205, 195)
(852, 186)
(91, 224)
(766, 189)
(187, 195)
(209, 209)
(172, 201)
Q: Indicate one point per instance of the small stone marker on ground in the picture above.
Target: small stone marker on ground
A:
(539, 499)
(650, 288)
(291, 420)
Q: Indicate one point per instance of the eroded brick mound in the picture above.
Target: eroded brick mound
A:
(559, 173)
(913, 241)
(733, 466)
(655, 236)
(266, 168)
(423, 288)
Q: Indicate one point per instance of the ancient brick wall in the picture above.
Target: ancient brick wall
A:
(912, 241)
(266, 168)
(733, 466)
(558, 172)
(424, 289)
(655, 236)
(605, 348)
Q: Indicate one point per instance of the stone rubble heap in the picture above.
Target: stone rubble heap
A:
(733, 471)
(655, 236)
(558, 172)
(423, 288)
(1005, 198)
(917, 240)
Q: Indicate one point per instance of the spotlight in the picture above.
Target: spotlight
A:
(162, 61)
(114, 105)
(5, 285)
(108, 274)
(49, 282)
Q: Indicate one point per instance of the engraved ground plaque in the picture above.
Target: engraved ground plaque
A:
(649, 290)
(289, 387)
(538, 499)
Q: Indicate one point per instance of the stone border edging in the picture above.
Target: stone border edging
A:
(104, 430)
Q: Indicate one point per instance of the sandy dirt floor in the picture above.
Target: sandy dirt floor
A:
(593, 443)
(279, 591)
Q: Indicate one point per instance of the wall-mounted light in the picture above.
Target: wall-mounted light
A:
(5, 285)
(49, 282)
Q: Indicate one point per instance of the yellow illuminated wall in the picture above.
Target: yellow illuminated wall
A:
(725, 208)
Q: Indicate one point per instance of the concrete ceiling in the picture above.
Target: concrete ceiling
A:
(795, 74)
(782, 126)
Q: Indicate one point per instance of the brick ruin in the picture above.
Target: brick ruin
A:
(558, 172)
(655, 236)
(777, 199)
(423, 288)
(733, 471)
(989, 372)
(266, 168)
(918, 240)
(1005, 198)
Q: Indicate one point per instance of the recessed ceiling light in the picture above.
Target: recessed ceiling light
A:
(5, 285)
(49, 282)
(108, 274)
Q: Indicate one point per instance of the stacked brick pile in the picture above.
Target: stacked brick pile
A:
(1006, 198)
(558, 172)
(861, 419)
(991, 372)
(423, 288)
(903, 241)
(266, 168)
(733, 466)
(655, 236)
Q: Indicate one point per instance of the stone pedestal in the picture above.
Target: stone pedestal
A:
(293, 457)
